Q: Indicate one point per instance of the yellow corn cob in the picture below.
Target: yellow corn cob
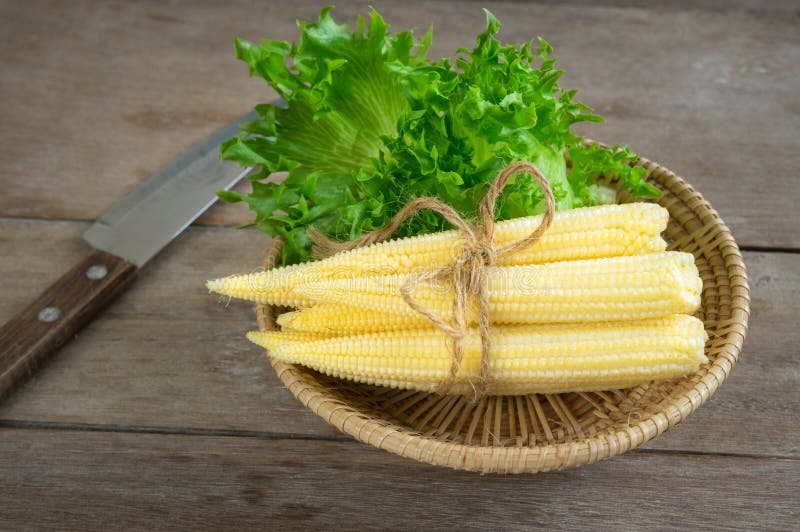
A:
(604, 231)
(524, 359)
(620, 288)
(262, 287)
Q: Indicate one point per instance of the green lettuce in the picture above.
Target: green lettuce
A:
(370, 123)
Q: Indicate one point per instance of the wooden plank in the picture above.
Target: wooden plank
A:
(748, 6)
(165, 353)
(168, 354)
(58, 313)
(87, 480)
(755, 411)
(708, 93)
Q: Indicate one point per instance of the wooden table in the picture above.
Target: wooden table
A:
(160, 413)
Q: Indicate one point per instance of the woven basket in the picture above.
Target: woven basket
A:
(543, 432)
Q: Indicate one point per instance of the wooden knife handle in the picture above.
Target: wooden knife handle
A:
(58, 313)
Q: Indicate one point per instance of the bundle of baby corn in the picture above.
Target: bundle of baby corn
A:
(597, 303)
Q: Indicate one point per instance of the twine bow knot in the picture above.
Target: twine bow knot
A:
(468, 272)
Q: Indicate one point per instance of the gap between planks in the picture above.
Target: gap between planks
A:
(266, 435)
(216, 227)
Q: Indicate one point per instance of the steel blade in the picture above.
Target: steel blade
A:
(158, 210)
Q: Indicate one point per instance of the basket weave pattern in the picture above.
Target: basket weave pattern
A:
(543, 432)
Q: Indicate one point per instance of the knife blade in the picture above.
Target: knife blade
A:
(122, 241)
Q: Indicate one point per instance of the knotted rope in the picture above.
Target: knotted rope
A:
(468, 271)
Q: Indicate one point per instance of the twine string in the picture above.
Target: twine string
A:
(468, 272)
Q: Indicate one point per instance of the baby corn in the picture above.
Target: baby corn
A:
(596, 304)
(621, 288)
(593, 232)
(524, 359)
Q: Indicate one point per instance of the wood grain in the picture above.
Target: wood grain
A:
(72, 300)
(746, 6)
(83, 480)
(710, 93)
(170, 396)
(168, 354)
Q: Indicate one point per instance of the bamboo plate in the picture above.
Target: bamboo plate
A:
(543, 432)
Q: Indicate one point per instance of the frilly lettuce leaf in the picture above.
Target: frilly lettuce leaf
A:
(371, 123)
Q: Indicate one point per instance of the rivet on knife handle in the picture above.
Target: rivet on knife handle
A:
(58, 313)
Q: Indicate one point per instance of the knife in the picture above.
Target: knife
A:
(123, 240)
